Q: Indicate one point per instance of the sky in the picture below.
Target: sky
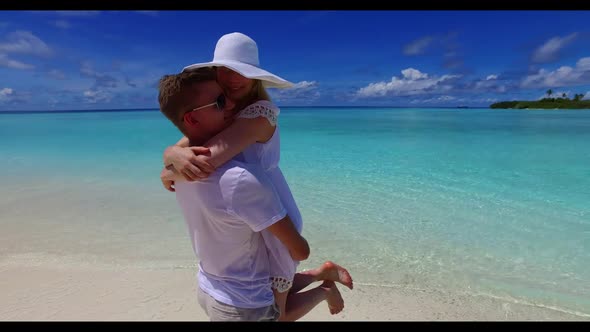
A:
(82, 60)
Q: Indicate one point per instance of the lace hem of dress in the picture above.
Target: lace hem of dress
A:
(255, 110)
(280, 284)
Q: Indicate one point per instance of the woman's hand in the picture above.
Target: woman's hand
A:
(190, 161)
(167, 178)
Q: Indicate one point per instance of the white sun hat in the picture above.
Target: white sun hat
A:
(239, 53)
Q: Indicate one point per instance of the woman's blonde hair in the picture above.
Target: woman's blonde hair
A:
(258, 93)
(261, 91)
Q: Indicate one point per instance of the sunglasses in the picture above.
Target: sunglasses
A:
(219, 102)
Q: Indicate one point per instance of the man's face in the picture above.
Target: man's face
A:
(207, 111)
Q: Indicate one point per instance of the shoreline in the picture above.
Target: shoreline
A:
(46, 292)
(81, 261)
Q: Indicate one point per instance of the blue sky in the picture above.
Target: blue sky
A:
(63, 60)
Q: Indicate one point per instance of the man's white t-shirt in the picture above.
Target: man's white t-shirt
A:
(225, 214)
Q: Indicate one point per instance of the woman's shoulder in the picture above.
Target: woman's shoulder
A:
(262, 108)
(264, 104)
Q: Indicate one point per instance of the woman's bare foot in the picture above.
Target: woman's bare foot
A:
(334, 299)
(333, 272)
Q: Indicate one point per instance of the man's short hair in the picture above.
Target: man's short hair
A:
(172, 89)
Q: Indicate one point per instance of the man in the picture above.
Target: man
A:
(226, 212)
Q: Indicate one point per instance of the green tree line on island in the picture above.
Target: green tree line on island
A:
(562, 102)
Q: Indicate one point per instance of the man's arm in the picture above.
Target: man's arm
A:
(286, 232)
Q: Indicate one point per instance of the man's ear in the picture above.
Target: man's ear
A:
(188, 120)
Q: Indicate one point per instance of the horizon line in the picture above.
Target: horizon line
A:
(105, 110)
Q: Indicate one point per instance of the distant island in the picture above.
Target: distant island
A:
(547, 103)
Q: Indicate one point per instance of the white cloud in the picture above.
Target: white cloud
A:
(436, 100)
(418, 46)
(490, 83)
(587, 96)
(412, 82)
(583, 64)
(102, 80)
(96, 96)
(304, 85)
(11, 96)
(413, 74)
(6, 62)
(62, 24)
(446, 99)
(304, 91)
(550, 49)
(6, 93)
(24, 42)
(480, 100)
(562, 76)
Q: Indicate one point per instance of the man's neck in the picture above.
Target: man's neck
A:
(194, 139)
(196, 142)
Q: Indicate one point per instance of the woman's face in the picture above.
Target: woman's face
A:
(236, 86)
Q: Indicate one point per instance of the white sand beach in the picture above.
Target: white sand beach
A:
(45, 293)
(80, 255)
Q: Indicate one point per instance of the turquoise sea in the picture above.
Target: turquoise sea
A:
(484, 202)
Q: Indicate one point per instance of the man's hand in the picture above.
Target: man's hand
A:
(190, 161)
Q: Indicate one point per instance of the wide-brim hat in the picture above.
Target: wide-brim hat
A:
(239, 53)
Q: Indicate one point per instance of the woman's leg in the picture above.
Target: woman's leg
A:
(327, 271)
(298, 305)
